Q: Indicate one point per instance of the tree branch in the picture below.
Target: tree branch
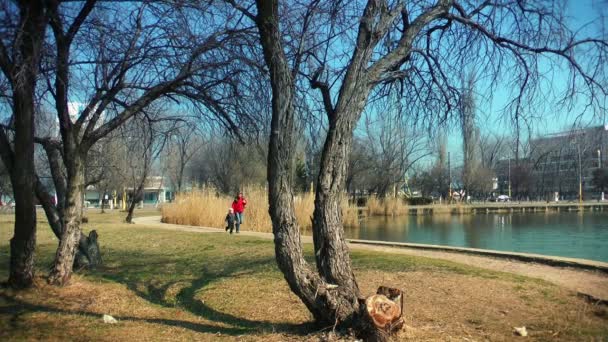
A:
(397, 56)
(324, 88)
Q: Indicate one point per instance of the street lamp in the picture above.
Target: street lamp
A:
(599, 158)
(509, 178)
(580, 175)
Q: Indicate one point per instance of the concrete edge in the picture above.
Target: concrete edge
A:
(527, 257)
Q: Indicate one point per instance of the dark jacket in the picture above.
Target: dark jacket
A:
(230, 219)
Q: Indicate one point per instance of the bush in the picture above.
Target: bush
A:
(420, 201)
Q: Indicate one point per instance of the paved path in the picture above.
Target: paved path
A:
(586, 282)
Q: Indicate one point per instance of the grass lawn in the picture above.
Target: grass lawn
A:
(166, 285)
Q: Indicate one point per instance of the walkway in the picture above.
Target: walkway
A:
(589, 283)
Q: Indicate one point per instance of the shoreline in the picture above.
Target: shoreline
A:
(501, 208)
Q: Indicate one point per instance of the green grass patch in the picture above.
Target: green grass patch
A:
(187, 284)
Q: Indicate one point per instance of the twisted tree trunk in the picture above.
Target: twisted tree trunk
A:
(71, 234)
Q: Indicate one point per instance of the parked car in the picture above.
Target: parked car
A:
(502, 198)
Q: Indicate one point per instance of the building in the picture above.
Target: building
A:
(155, 192)
(563, 162)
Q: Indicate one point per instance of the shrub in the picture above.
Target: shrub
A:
(420, 201)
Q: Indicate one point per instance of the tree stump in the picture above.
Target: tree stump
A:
(88, 254)
(382, 314)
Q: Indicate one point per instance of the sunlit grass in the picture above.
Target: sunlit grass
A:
(182, 286)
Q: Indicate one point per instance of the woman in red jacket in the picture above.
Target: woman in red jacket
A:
(239, 205)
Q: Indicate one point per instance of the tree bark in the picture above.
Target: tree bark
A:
(302, 280)
(88, 254)
(71, 235)
(23, 81)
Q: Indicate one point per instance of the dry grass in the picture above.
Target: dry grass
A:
(207, 208)
(179, 286)
(389, 206)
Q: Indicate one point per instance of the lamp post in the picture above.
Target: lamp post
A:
(509, 178)
(599, 158)
(580, 175)
(449, 180)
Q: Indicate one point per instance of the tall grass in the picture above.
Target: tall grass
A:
(389, 206)
(208, 208)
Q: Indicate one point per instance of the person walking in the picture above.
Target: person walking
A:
(230, 220)
(239, 205)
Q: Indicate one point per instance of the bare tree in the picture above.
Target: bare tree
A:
(393, 42)
(23, 28)
(226, 164)
(128, 68)
(145, 142)
(392, 149)
(470, 132)
(182, 145)
(492, 147)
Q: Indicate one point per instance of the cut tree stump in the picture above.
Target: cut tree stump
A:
(383, 314)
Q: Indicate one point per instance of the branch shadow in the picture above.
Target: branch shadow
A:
(156, 291)
(17, 307)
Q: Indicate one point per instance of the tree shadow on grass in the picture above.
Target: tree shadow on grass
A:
(138, 275)
(17, 307)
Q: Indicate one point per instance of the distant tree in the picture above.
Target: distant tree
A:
(521, 179)
(470, 132)
(393, 146)
(182, 145)
(492, 148)
(600, 179)
(301, 176)
(228, 165)
(144, 141)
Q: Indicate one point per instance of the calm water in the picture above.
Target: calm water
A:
(578, 235)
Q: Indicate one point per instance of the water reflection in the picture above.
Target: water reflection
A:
(571, 234)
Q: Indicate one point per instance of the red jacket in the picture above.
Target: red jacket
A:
(239, 205)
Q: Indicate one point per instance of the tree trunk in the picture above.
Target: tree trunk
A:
(23, 242)
(88, 254)
(136, 196)
(23, 82)
(331, 250)
(52, 150)
(71, 235)
(303, 281)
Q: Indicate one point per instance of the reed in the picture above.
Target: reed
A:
(389, 206)
(208, 208)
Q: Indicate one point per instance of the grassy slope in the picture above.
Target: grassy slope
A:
(165, 285)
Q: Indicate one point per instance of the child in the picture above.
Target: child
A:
(230, 220)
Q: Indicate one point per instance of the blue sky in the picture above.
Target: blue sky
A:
(583, 16)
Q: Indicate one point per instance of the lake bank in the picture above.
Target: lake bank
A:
(505, 207)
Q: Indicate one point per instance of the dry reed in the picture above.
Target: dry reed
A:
(386, 207)
(208, 208)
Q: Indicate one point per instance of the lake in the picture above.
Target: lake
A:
(568, 234)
